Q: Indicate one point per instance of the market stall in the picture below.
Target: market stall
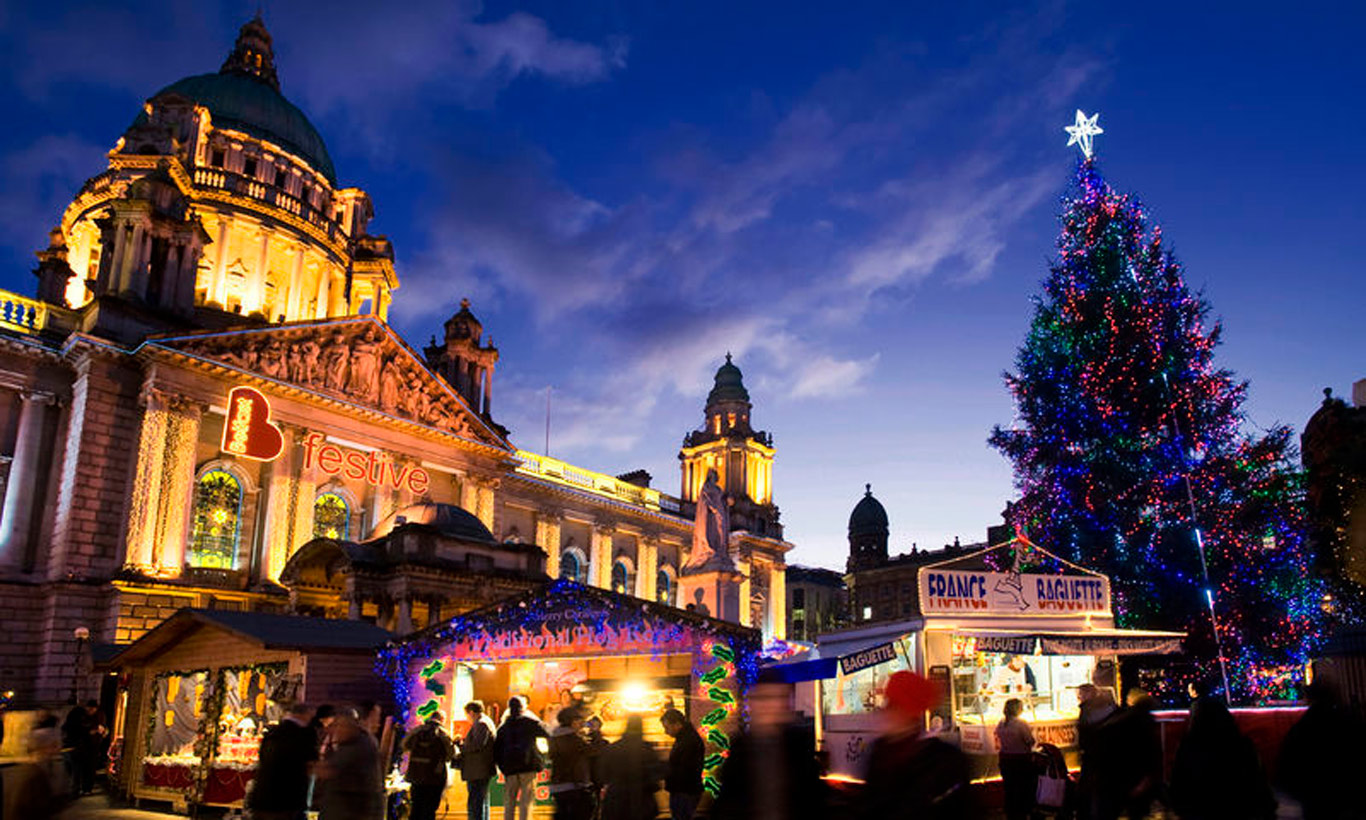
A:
(564, 644)
(1010, 621)
(201, 688)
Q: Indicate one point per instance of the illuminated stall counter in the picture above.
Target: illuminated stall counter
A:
(198, 692)
(563, 643)
(1009, 621)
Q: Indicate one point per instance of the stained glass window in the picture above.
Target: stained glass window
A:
(664, 587)
(331, 516)
(571, 568)
(621, 578)
(217, 520)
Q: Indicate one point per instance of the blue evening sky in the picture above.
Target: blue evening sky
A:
(856, 199)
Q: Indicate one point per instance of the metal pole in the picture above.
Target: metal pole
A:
(547, 420)
(1200, 548)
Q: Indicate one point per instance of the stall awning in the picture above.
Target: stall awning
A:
(1090, 642)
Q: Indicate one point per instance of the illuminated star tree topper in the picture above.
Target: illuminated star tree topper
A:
(1082, 131)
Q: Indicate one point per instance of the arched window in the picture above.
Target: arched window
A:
(217, 520)
(331, 517)
(621, 577)
(571, 566)
(664, 586)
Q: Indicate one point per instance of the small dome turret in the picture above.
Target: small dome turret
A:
(869, 517)
(729, 385)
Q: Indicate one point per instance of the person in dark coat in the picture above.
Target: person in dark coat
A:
(1139, 754)
(632, 771)
(1019, 775)
(476, 760)
(684, 778)
(353, 788)
(571, 769)
(519, 759)
(80, 735)
(1322, 757)
(911, 774)
(771, 773)
(1099, 789)
(430, 750)
(288, 751)
(35, 788)
(1216, 775)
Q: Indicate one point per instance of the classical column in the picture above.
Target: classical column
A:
(146, 490)
(337, 296)
(21, 490)
(647, 566)
(324, 280)
(281, 487)
(469, 494)
(548, 539)
(177, 485)
(485, 504)
(306, 494)
(218, 289)
(746, 590)
(296, 286)
(777, 601)
(600, 556)
(258, 278)
(405, 614)
(488, 390)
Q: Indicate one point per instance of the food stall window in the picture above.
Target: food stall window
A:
(984, 680)
(860, 692)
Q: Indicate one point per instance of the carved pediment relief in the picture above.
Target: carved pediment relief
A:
(360, 361)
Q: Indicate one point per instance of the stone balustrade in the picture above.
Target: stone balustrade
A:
(561, 472)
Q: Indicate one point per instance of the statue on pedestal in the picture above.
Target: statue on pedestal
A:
(711, 530)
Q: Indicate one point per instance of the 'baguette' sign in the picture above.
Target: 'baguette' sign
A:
(867, 657)
(968, 592)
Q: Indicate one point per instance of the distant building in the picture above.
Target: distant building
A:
(1333, 448)
(817, 601)
(883, 587)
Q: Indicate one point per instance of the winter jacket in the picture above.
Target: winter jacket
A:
(632, 771)
(911, 777)
(570, 765)
(476, 751)
(429, 749)
(795, 766)
(685, 763)
(514, 749)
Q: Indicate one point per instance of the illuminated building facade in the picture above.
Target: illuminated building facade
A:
(205, 406)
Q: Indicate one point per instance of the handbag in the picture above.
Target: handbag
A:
(1052, 792)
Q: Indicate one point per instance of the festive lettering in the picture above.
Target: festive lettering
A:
(373, 468)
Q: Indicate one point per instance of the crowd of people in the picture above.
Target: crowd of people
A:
(329, 761)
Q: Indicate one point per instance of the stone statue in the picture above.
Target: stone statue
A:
(335, 363)
(390, 381)
(364, 383)
(308, 373)
(711, 530)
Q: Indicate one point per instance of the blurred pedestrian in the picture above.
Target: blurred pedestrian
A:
(597, 745)
(353, 788)
(1216, 775)
(1322, 757)
(684, 777)
(518, 756)
(913, 775)
(430, 751)
(80, 735)
(35, 789)
(476, 760)
(632, 771)
(284, 768)
(571, 771)
(1139, 757)
(771, 772)
(1019, 775)
(1098, 792)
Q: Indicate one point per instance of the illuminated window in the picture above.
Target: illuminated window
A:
(571, 566)
(331, 517)
(621, 578)
(664, 587)
(217, 520)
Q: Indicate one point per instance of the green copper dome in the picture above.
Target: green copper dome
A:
(245, 96)
(729, 386)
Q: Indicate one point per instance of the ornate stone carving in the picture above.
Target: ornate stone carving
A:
(357, 364)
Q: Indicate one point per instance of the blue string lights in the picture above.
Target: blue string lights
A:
(1131, 452)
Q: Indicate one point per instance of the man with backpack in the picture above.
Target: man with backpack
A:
(518, 757)
(429, 749)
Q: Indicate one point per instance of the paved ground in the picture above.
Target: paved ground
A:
(99, 806)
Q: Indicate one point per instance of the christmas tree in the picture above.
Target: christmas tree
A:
(1132, 454)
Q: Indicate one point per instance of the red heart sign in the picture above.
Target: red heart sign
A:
(248, 432)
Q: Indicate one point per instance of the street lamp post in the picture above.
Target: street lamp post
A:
(82, 634)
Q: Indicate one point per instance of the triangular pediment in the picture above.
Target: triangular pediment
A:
(359, 361)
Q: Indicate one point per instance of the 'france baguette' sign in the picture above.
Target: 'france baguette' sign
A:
(968, 592)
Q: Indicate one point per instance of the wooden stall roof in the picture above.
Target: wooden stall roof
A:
(287, 632)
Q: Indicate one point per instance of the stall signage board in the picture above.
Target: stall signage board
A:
(1093, 645)
(581, 639)
(865, 658)
(1009, 644)
(1015, 593)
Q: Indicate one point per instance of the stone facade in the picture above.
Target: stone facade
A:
(218, 255)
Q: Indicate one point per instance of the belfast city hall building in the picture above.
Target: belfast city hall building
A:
(205, 406)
